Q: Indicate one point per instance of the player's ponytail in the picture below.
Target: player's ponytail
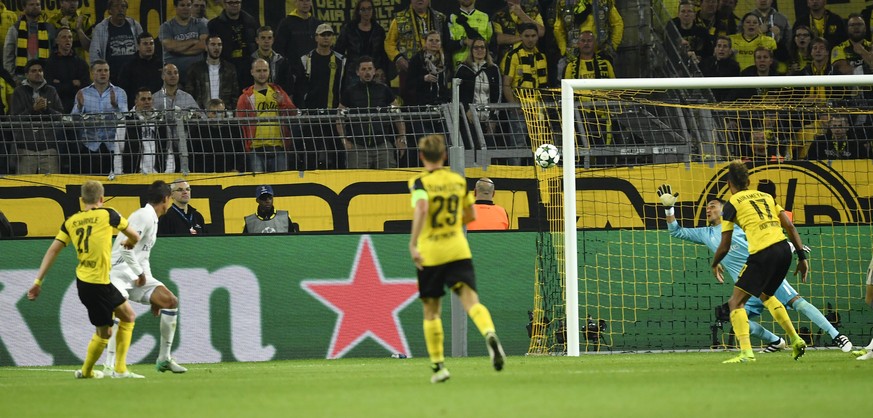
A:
(738, 174)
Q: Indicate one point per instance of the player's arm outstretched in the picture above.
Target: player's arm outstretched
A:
(47, 261)
(668, 199)
(799, 249)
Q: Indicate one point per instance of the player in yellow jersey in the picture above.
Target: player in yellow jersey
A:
(769, 258)
(90, 231)
(440, 251)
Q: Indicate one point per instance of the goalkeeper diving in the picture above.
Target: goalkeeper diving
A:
(733, 263)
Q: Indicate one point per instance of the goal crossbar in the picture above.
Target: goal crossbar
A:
(717, 82)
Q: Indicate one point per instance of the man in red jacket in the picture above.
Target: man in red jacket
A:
(266, 140)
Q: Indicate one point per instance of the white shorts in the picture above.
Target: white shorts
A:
(870, 273)
(125, 284)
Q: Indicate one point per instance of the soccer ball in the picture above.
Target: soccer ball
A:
(547, 155)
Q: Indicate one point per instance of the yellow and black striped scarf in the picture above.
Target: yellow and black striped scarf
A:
(43, 39)
(334, 67)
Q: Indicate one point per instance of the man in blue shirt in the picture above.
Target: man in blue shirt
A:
(733, 263)
(104, 101)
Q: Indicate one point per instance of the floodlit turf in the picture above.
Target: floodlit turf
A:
(823, 383)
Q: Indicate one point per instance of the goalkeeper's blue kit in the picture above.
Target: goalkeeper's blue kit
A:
(734, 260)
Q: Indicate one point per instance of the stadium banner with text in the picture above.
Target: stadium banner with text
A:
(267, 298)
(318, 296)
(361, 201)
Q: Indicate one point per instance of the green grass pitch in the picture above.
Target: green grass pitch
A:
(823, 383)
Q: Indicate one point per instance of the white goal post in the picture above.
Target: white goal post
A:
(568, 127)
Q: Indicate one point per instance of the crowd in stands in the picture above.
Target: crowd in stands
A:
(231, 63)
(764, 42)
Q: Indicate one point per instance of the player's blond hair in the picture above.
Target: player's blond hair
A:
(432, 147)
(92, 191)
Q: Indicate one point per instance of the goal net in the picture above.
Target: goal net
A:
(610, 277)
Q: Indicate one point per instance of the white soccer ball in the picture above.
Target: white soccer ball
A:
(547, 156)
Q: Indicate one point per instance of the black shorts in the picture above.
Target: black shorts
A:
(433, 280)
(100, 300)
(765, 270)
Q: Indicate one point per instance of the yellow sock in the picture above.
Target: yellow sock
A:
(95, 349)
(740, 323)
(122, 343)
(482, 318)
(433, 338)
(781, 316)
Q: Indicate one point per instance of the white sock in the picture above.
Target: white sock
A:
(870, 346)
(110, 348)
(815, 315)
(169, 317)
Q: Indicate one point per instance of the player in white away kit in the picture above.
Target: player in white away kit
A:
(132, 274)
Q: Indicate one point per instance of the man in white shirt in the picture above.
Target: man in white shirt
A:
(177, 104)
(132, 275)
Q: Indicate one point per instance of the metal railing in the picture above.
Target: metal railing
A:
(610, 133)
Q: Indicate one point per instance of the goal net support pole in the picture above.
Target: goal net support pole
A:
(571, 253)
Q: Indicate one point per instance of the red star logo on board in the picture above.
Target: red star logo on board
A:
(366, 304)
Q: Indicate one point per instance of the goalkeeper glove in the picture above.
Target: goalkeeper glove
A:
(667, 198)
